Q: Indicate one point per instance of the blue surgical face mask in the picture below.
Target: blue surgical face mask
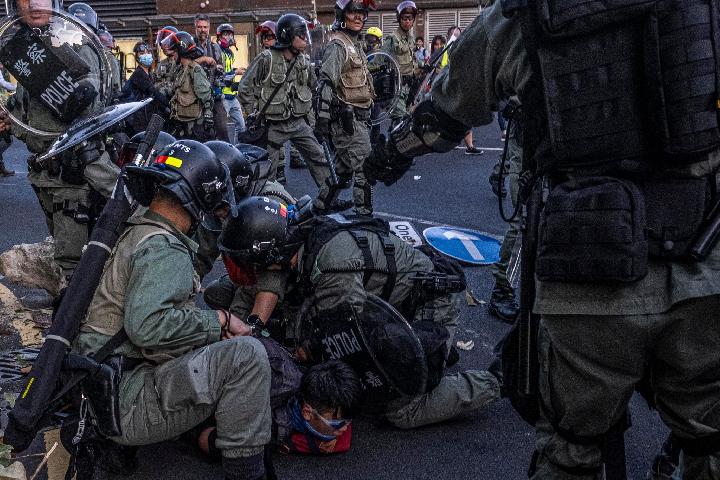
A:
(145, 59)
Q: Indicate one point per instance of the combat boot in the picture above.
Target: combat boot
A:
(503, 304)
(296, 160)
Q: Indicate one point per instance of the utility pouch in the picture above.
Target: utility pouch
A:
(102, 389)
(675, 212)
(592, 230)
(72, 167)
(362, 114)
(347, 119)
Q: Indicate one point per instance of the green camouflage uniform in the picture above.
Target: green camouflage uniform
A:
(187, 374)
(597, 341)
(401, 45)
(288, 113)
(343, 261)
(192, 100)
(511, 241)
(346, 81)
(165, 74)
(59, 199)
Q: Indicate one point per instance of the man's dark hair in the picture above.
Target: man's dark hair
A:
(201, 16)
(330, 386)
(452, 29)
(419, 38)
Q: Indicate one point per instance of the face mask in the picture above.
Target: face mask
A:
(145, 59)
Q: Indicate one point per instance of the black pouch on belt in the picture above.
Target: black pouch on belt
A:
(592, 230)
(103, 391)
(675, 212)
(347, 119)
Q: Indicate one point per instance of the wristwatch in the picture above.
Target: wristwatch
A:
(257, 327)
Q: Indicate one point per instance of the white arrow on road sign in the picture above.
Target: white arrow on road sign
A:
(467, 241)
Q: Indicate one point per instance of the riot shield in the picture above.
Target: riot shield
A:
(60, 66)
(387, 81)
(373, 338)
(86, 127)
(320, 36)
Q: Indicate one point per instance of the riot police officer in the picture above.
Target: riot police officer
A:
(401, 45)
(171, 343)
(279, 82)
(345, 96)
(342, 261)
(165, 68)
(66, 186)
(614, 309)
(191, 103)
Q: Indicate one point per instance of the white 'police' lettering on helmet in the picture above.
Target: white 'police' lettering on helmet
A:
(59, 90)
(341, 345)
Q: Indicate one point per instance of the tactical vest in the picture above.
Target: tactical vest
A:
(355, 86)
(165, 72)
(624, 85)
(185, 104)
(404, 52)
(106, 312)
(294, 99)
(228, 61)
(326, 227)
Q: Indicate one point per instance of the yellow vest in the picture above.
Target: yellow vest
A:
(228, 59)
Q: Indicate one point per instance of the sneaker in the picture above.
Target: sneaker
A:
(503, 135)
(474, 151)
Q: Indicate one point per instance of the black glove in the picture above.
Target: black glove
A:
(322, 129)
(208, 121)
(385, 163)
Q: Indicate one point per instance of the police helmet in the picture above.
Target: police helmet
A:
(190, 171)
(11, 6)
(129, 148)
(258, 235)
(242, 174)
(163, 33)
(268, 26)
(290, 26)
(184, 44)
(407, 6)
(85, 13)
(348, 6)
(106, 38)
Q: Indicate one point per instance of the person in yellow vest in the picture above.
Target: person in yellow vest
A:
(226, 39)
(346, 96)
(372, 40)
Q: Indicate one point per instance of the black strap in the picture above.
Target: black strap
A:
(362, 241)
(389, 250)
(278, 86)
(111, 345)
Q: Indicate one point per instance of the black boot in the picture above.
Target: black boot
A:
(503, 304)
(296, 161)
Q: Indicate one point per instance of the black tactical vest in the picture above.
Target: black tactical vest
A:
(630, 85)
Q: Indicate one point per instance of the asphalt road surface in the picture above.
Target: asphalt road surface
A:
(494, 443)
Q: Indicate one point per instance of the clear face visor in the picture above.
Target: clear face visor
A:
(169, 42)
(219, 193)
(356, 8)
(304, 33)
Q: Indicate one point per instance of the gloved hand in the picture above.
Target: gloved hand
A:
(208, 121)
(322, 129)
(385, 163)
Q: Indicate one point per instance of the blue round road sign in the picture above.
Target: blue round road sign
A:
(468, 246)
